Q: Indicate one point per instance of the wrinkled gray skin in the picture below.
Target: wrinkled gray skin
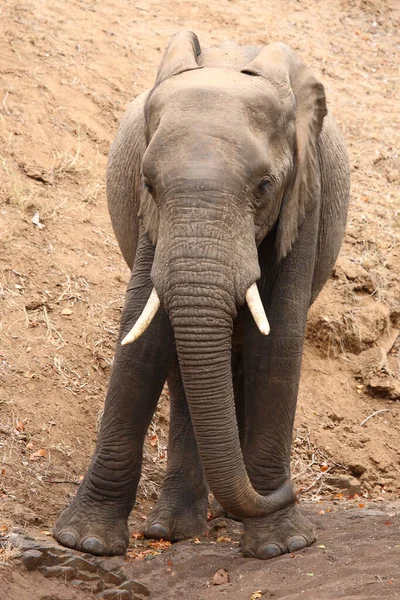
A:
(238, 174)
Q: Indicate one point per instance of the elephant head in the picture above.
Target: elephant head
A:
(230, 154)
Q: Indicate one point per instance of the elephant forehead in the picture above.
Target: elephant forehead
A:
(202, 151)
(204, 93)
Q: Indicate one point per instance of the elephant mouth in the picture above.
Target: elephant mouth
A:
(253, 301)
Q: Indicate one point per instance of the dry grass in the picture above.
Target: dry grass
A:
(66, 163)
(8, 553)
(311, 465)
(28, 198)
(91, 192)
(336, 334)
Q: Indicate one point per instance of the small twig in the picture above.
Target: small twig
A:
(373, 414)
(313, 483)
(317, 479)
(61, 481)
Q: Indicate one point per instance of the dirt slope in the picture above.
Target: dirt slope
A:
(67, 70)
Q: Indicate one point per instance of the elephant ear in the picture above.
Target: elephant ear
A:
(281, 65)
(180, 56)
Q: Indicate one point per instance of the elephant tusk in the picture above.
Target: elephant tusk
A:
(256, 308)
(148, 314)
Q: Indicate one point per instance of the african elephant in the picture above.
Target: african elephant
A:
(228, 189)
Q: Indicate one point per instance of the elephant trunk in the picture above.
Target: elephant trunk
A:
(200, 297)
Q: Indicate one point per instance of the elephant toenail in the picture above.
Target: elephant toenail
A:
(178, 537)
(118, 548)
(68, 539)
(297, 542)
(93, 545)
(270, 551)
(157, 531)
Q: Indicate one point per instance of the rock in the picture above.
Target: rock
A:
(98, 588)
(135, 586)
(80, 584)
(357, 469)
(107, 563)
(372, 322)
(347, 270)
(384, 386)
(67, 573)
(373, 369)
(17, 540)
(52, 556)
(220, 577)
(370, 362)
(112, 578)
(80, 563)
(116, 594)
(32, 559)
(345, 482)
(35, 303)
(90, 577)
(37, 172)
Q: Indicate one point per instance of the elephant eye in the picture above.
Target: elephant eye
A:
(263, 187)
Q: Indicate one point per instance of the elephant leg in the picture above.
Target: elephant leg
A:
(181, 511)
(96, 519)
(272, 371)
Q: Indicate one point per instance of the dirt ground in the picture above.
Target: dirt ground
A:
(68, 69)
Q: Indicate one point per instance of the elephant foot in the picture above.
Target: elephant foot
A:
(285, 531)
(91, 529)
(175, 521)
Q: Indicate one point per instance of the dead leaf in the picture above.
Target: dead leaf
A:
(41, 453)
(29, 446)
(256, 595)
(159, 544)
(141, 555)
(153, 440)
(223, 538)
(20, 426)
(220, 577)
(67, 311)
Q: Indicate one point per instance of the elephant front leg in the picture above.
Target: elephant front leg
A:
(272, 372)
(181, 511)
(272, 375)
(96, 520)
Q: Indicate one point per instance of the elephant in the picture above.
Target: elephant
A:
(228, 188)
